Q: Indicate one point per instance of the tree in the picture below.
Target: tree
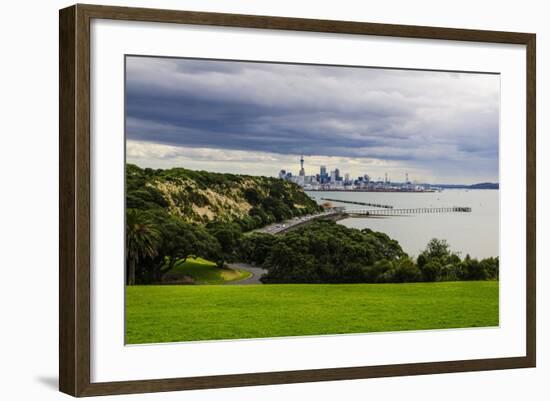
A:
(491, 266)
(438, 263)
(252, 196)
(255, 248)
(178, 241)
(141, 241)
(430, 271)
(486, 269)
(437, 248)
(228, 236)
(326, 252)
(287, 265)
(406, 271)
(383, 247)
(277, 189)
(263, 217)
(277, 208)
(421, 260)
(378, 272)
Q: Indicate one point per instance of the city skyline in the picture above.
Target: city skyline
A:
(327, 172)
(332, 177)
(258, 118)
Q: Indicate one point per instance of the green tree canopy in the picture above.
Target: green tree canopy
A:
(142, 239)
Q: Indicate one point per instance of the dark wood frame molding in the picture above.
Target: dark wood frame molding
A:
(74, 203)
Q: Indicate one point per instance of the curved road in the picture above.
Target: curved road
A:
(279, 228)
(253, 279)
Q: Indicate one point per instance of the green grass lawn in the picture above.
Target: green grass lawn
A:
(185, 313)
(205, 272)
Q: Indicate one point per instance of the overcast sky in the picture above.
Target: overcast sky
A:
(257, 118)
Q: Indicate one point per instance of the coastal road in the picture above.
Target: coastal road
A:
(256, 272)
(296, 221)
(253, 279)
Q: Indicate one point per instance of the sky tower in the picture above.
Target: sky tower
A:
(302, 171)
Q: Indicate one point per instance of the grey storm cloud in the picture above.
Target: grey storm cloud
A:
(436, 120)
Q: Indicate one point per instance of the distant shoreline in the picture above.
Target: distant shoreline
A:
(398, 191)
(372, 190)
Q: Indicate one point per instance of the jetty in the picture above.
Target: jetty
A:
(396, 212)
(359, 203)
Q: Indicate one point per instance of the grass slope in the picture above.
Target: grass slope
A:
(185, 313)
(205, 272)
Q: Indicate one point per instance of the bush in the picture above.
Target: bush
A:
(430, 271)
(406, 271)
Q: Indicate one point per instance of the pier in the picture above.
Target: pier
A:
(338, 213)
(396, 212)
(359, 203)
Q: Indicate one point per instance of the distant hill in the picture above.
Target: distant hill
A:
(201, 196)
(485, 185)
(482, 185)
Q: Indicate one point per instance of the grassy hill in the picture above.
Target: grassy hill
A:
(186, 313)
(201, 271)
(201, 196)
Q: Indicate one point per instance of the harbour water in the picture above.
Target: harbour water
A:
(475, 233)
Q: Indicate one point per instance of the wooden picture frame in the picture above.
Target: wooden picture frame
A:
(74, 205)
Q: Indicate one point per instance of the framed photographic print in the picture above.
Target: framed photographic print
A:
(250, 200)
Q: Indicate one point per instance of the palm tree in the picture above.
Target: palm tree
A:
(141, 241)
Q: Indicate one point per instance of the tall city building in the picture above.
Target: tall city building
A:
(323, 176)
(302, 171)
(337, 174)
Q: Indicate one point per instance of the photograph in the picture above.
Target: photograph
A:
(269, 199)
